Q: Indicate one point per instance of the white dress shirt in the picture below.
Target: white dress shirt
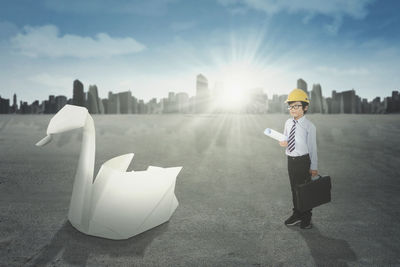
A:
(305, 140)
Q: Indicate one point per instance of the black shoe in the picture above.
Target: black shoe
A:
(293, 220)
(306, 223)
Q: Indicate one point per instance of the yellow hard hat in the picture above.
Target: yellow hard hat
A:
(297, 95)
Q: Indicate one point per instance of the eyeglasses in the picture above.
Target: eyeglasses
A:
(295, 107)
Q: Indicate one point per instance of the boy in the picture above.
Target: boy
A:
(301, 150)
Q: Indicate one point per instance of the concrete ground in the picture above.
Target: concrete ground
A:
(233, 192)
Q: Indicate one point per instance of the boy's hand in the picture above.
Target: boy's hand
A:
(283, 143)
(313, 172)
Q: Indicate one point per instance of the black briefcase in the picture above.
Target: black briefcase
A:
(313, 193)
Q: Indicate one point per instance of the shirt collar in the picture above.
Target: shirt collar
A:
(301, 120)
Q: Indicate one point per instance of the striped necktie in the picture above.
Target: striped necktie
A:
(291, 140)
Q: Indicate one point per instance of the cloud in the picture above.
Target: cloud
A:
(46, 41)
(336, 9)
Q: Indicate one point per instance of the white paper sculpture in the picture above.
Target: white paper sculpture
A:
(117, 204)
(274, 134)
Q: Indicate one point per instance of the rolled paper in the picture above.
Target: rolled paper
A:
(275, 135)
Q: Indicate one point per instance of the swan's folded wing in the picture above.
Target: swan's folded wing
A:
(129, 198)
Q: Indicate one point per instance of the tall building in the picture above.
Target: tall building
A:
(171, 104)
(49, 105)
(101, 106)
(301, 84)
(153, 107)
(182, 102)
(365, 106)
(14, 107)
(316, 105)
(141, 107)
(358, 104)
(4, 106)
(328, 101)
(337, 103)
(273, 104)
(113, 103)
(78, 96)
(164, 104)
(24, 107)
(105, 105)
(202, 94)
(135, 106)
(35, 107)
(282, 106)
(378, 106)
(396, 101)
(349, 101)
(60, 102)
(125, 102)
(93, 100)
(324, 105)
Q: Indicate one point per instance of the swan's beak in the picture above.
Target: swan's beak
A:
(44, 141)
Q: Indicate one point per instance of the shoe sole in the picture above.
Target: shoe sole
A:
(293, 223)
(307, 227)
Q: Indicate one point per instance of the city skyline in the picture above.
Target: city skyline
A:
(156, 46)
(204, 101)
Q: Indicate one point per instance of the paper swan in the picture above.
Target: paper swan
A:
(117, 204)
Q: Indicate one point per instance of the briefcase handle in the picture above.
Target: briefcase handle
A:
(316, 177)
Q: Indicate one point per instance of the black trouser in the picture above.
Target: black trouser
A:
(299, 173)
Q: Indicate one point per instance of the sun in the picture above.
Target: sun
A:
(236, 81)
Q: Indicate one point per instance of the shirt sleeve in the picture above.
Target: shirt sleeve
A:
(312, 147)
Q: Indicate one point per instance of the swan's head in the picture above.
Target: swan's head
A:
(70, 117)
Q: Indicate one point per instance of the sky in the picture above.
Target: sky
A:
(153, 47)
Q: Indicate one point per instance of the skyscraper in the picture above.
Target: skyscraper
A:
(377, 105)
(113, 103)
(172, 105)
(153, 106)
(60, 102)
(396, 101)
(135, 107)
(52, 104)
(301, 84)
(316, 99)
(105, 105)
(202, 94)
(125, 101)
(4, 106)
(141, 107)
(93, 100)
(78, 97)
(182, 101)
(337, 102)
(365, 106)
(349, 101)
(35, 107)
(14, 106)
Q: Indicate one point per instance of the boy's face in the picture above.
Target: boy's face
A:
(297, 111)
